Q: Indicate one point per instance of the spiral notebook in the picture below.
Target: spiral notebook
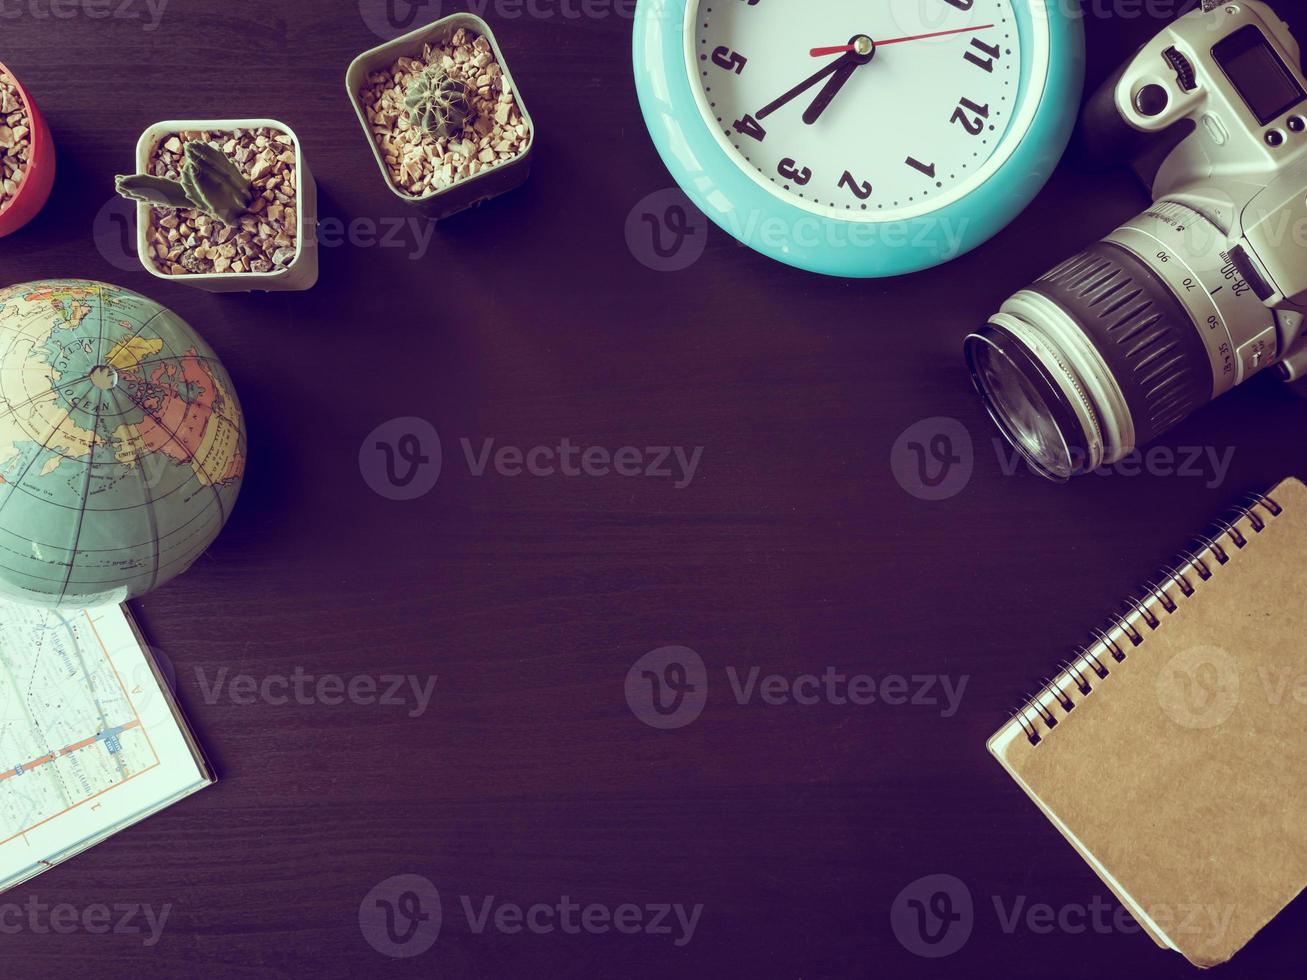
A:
(1172, 752)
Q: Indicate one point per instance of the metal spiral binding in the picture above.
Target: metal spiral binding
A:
(1123, 633)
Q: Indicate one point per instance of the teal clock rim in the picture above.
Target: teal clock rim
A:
(719, 188)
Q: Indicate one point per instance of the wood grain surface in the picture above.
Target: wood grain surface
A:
(794, 549)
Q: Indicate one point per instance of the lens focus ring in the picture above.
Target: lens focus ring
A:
(1145, 336)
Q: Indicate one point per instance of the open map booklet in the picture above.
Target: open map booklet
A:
(91, 738)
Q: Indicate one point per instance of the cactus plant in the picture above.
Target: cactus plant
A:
(210, 183)
(159, 191)
(437, 103)
(214, 183)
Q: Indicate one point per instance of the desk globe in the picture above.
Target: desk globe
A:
(122, 444)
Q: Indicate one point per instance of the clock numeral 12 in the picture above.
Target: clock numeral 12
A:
(970, 116)
(861, 188)
(724, 57)
(991, 52)
(792, 172)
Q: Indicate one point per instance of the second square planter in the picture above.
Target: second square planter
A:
(492, 180)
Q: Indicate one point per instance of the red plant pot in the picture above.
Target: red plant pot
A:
(37, 179)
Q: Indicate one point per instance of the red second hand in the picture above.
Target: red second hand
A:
(843, 48)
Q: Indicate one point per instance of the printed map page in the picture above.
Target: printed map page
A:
(89, 742)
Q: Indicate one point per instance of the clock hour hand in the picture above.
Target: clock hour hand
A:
(828, 93)
(860, 51)
(806, 84)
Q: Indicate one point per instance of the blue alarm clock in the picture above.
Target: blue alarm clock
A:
(860, 137)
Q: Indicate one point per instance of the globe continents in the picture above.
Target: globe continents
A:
(122, 444)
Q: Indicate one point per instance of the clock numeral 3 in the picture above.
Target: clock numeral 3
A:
(861, 189)
(724, 57)
(750, 127)
(990, 52)
(792, 172)
(970, 116)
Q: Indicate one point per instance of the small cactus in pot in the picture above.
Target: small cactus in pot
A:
(210, 183)
(437, 103)
(224, 205)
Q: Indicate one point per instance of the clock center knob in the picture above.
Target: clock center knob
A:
(863, 45)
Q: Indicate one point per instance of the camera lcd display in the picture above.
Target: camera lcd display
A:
(1258, 73)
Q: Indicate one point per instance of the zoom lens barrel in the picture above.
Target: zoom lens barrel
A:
(1117, 344)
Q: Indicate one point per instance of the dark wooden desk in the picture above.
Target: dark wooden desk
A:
(794, 549)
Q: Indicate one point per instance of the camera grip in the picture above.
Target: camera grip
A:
(1105, 138)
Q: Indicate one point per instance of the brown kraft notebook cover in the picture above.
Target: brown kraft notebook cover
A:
(1171, 752)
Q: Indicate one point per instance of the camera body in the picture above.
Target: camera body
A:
(1196, 295)
(1215, 111)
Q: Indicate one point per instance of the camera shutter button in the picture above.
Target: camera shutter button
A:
(1152, 100)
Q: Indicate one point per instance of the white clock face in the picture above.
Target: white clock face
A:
(844, 109)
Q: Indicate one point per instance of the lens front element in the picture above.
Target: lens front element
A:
(1022, 403)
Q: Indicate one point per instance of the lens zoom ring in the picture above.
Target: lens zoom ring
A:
(1147, 338)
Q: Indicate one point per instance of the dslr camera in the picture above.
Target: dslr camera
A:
(1197, 294)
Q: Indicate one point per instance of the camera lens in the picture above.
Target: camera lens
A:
(1116, 344)
(1021, 401)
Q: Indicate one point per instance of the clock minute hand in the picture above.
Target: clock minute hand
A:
(806, 84)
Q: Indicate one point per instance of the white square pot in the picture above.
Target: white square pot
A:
(302, 272)
(471, 191)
